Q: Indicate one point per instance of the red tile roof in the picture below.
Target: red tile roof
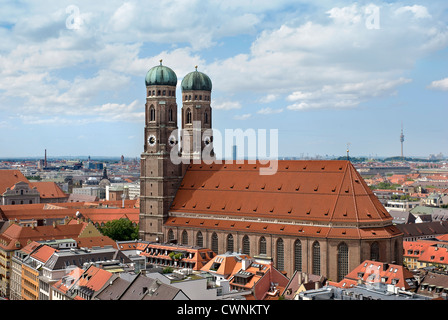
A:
(15, 237)
(330, 191)
(48, 190)
(376, 272)
(43, 253)
(8, 178)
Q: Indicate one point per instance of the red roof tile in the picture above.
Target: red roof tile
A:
(331, 191)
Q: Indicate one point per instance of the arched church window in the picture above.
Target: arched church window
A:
(230, 243)
(170, 235)
(342, 261)
(262, 245)
(375, 252)
(215, 242)
(280, 255)
(158, 92)
(298, 255)
(316, 258)
(184, 237)
(188, 116)
(206, 117)
(170, 114)
(152, 114)
(199, 239)
(246, 245)
(164, 93)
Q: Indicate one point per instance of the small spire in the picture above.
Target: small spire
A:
(161, 61)
(196, 67)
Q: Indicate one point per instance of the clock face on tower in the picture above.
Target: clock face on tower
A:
(172, 141)
(151, 140)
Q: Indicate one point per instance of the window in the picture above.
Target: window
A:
(280, 255)
(170, 114)
(214, 242)
(316, 258)
(375, 252)
(298, 255)
(206, 117)
(152, 114)
(230, 243)
(185, 237)
(170, 235)
(342, 261)
(246, 245)
(188, 116)
(199, 239)
(262, 245)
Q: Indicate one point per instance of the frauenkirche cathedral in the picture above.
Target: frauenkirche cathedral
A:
(315, 216)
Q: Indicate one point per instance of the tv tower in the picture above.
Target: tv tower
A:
(402, 140)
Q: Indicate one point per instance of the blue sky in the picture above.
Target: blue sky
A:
(322, 73)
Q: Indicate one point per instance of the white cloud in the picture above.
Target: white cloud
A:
(439, 84)
(336, 63)
(269, 98)
(242, 116)
(269, 110)
(226, 105)
(418, 11)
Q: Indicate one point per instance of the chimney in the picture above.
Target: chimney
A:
(246, 263)
(317, 285)
(306, 278)
(300, 278)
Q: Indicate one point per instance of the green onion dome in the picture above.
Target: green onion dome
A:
(196, 81)
(160, 75)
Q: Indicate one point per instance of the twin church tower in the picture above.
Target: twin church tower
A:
(168, 152)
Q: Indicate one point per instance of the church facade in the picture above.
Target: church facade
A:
(318, 217)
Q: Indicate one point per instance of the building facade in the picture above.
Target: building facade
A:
(318, 217)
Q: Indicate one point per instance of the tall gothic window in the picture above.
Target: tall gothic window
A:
(215, 242)
(199, 239)
(298, 255)
(342, 261)
(262, 245)
(189, 116)
(170, 114)
(280, 255)
(230, 243)
(152, 114)
(246, 245)
(206, 117)
(316, 258)
(170, 235)
(375, 252)
(185, 237)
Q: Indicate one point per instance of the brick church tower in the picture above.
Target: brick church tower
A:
(159, 176)
(197, 136)
(164, 160)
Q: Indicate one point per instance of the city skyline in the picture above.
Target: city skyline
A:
(323, 74)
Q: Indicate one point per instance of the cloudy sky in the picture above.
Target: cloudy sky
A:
(322, 73)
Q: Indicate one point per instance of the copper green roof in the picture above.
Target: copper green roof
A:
(161, 75)
(196, 81)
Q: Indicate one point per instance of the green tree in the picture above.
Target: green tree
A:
(120, 230)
